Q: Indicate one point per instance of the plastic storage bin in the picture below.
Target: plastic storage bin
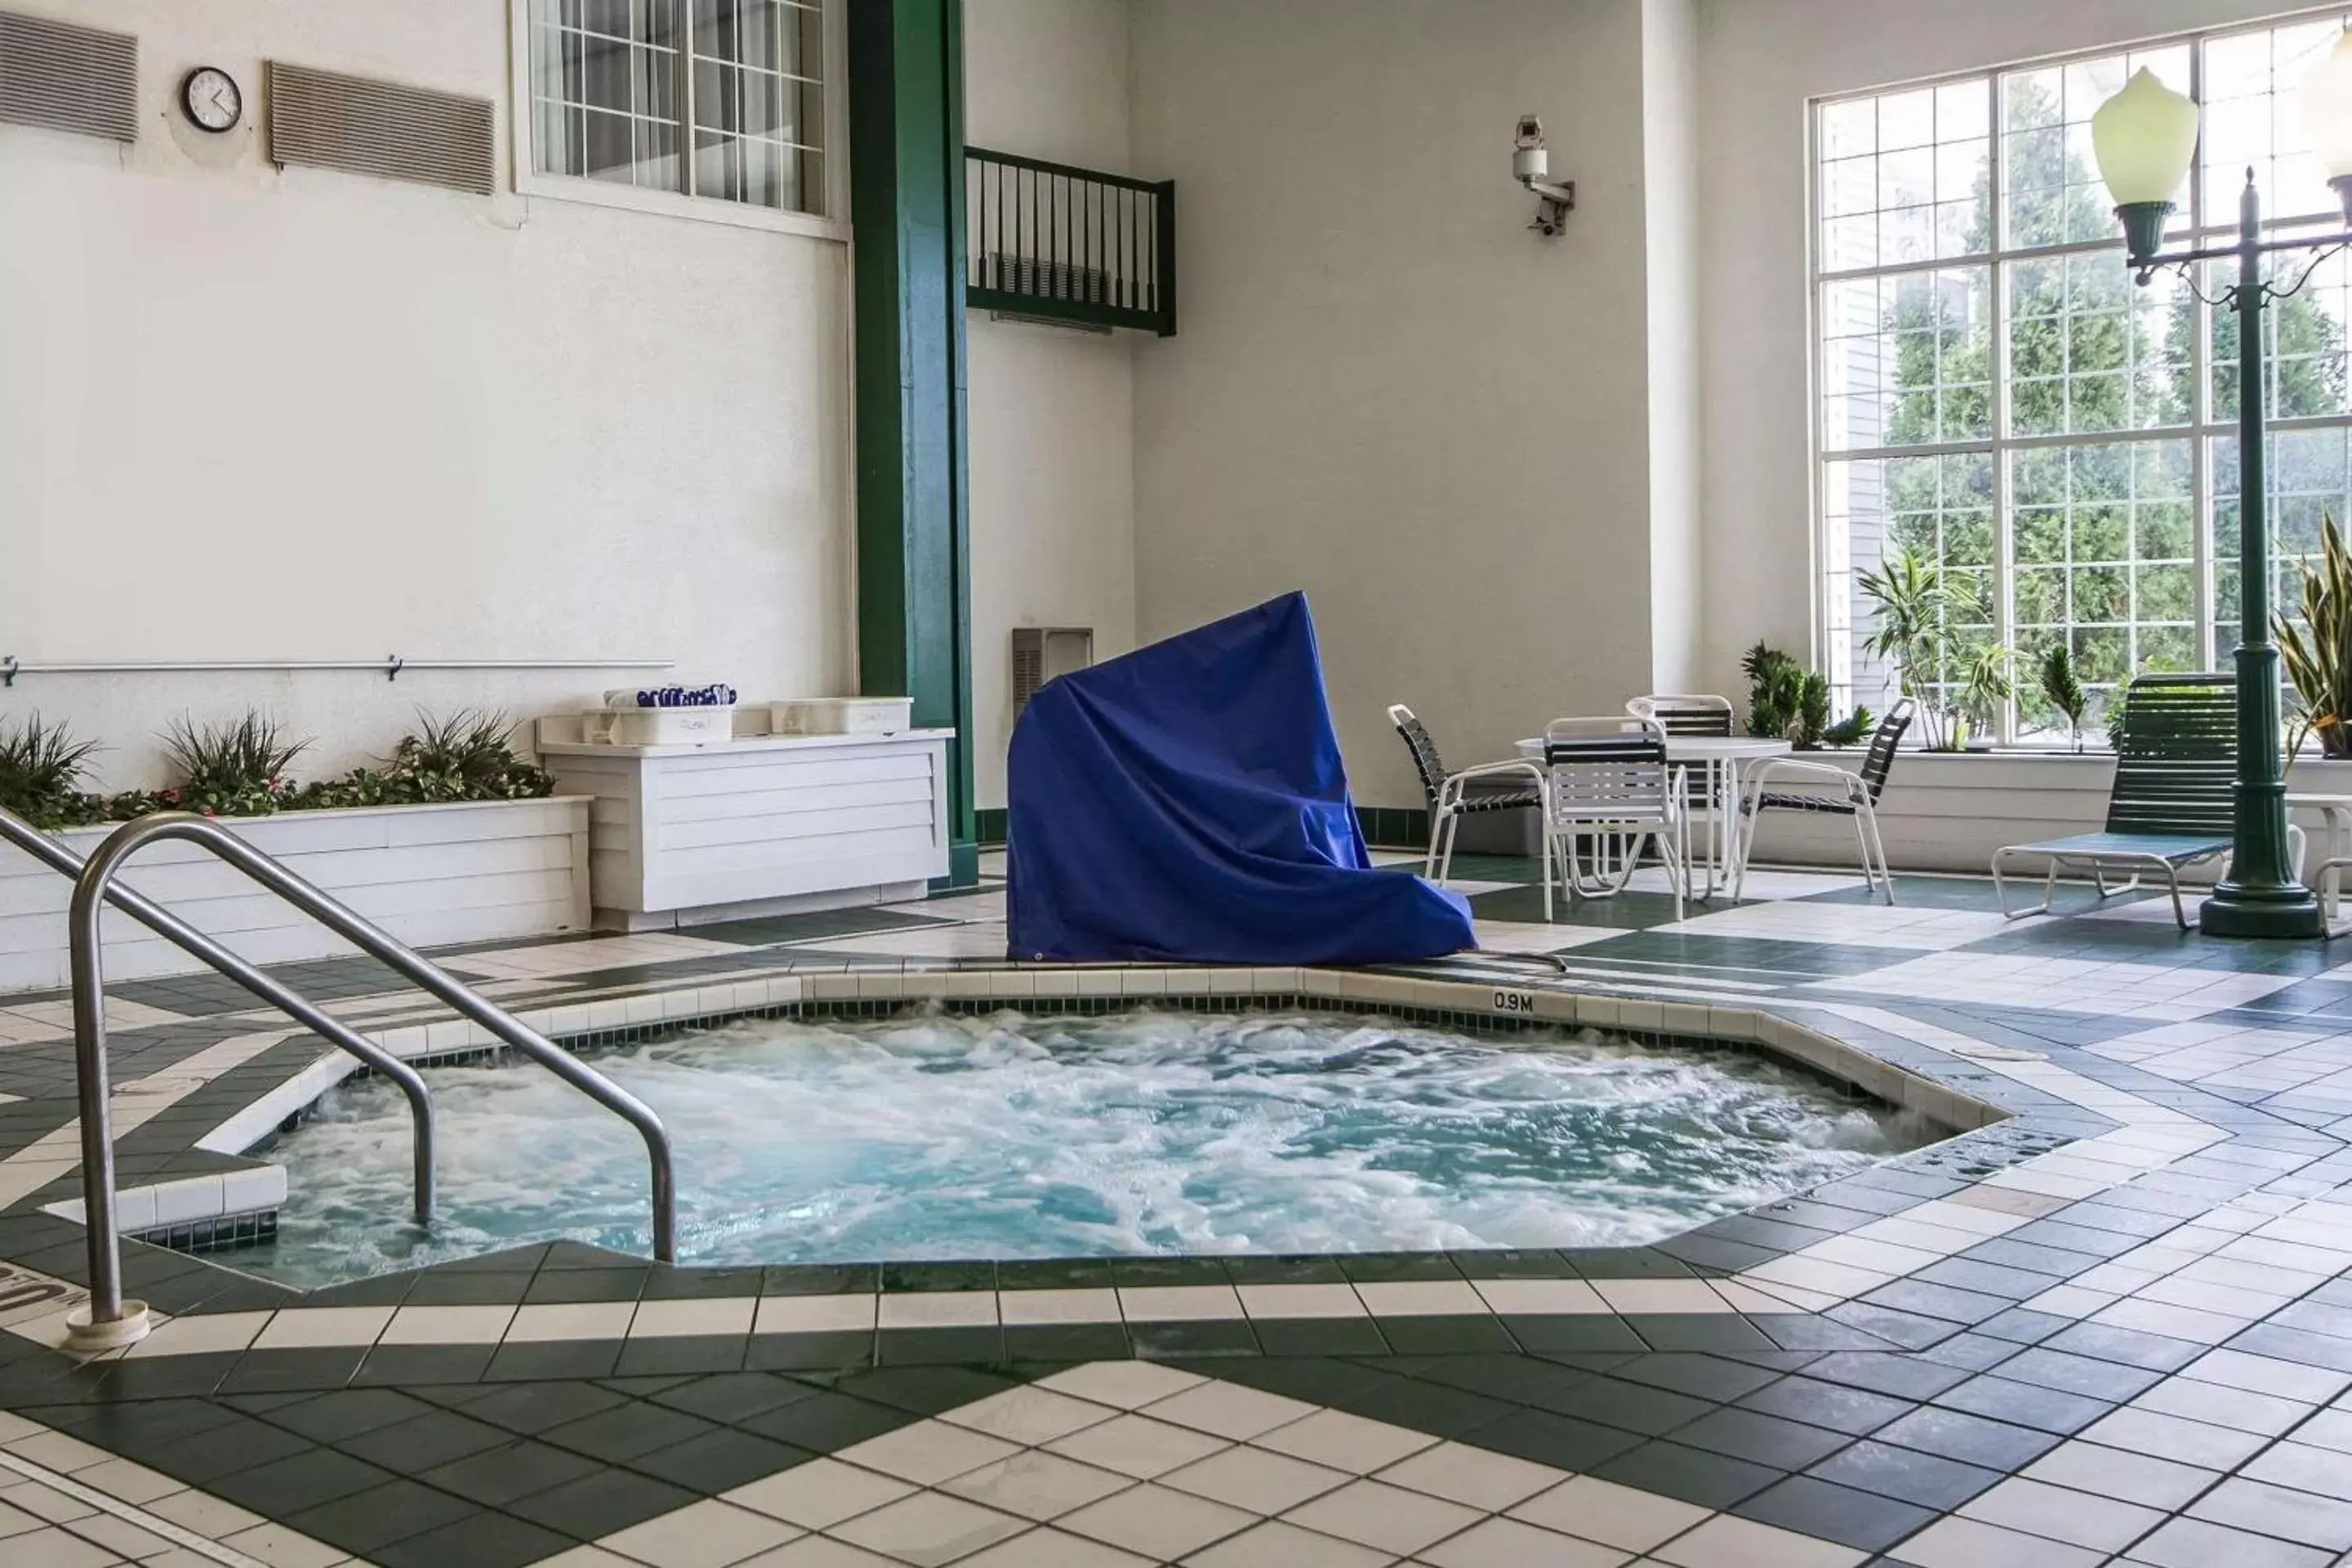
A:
(841, 716)
(658, 726)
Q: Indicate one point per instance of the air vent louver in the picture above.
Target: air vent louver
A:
(1042, 653)
(62, 77)
(365, 127)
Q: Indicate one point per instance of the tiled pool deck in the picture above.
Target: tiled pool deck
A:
(2113, 1326)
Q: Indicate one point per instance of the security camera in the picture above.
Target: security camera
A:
(1531, 166)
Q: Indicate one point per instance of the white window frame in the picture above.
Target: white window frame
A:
(2206, 227)
(832, 224)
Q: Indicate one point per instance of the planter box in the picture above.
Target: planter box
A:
(758, 826)
(1949, 811)
(430, 874)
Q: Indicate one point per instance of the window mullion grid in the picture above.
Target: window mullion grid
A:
(682, 24)
(1974, 259)
(2014, 443)
(2201, 428)
(2201, 401)
(1824, 614)
(2004, 608)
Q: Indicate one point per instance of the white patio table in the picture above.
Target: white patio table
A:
(1726, 759)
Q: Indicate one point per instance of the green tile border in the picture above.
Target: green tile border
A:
(1394, 827)
(1476, 1025)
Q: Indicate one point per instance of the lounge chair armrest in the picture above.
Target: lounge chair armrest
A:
(1489, 770)
(1816, 772)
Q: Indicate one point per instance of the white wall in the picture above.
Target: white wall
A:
(1759, 62)
(1673, 237)
(254, 414)
(1386, 390)
(1052, 410)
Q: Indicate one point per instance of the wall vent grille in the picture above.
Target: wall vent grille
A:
(62, 77)
(362, 126)
(1041, 653)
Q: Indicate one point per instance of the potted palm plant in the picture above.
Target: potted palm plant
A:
(1986, 686)
(1916, 601)
(2062, 689)
(1787, 701)
(2317, 652)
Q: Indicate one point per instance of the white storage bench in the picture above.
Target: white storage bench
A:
(755, 826)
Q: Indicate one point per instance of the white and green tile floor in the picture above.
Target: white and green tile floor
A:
(2112, 1325)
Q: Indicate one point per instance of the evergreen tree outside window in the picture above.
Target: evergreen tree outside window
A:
(1996, 393)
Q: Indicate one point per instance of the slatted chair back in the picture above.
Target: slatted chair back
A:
(1694, 714)
(2177, 757)
(1605, 771)
(1425, 759)
(1884, 741)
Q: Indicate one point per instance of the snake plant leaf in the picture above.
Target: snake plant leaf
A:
(2316, 649)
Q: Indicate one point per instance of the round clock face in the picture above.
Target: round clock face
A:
(211, 97)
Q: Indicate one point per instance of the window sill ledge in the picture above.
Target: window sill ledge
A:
(665, 204)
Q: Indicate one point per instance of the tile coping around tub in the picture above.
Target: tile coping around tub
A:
(1505, 1003)
(197, 1204)
(236, 1201)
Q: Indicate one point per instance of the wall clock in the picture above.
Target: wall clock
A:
(211, 99)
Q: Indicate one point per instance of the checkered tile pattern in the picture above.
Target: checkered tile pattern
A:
(2115, 1326)
(1117, 1463)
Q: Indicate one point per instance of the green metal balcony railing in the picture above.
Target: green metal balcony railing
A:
(1069, 245)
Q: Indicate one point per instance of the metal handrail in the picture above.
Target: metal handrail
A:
(1067, 171)
(390, 666)
(138, 906)
(1061, 242)
(107, 1321)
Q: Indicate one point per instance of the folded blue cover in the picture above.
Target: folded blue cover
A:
(1186, 804)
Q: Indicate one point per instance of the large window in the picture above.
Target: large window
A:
(1994, 391)
(722, 100)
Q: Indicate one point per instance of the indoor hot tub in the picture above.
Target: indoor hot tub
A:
(1273, 1129)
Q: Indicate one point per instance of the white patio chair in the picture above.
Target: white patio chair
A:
(1610, 793)
(1848, 795)
(1690, 713)
(1450, 802)
(1707, 787)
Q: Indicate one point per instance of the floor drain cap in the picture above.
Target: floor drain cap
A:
(1979, 1051)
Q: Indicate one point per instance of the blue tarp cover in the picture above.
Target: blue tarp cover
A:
(1186, 803)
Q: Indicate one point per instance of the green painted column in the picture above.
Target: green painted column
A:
(914, 569)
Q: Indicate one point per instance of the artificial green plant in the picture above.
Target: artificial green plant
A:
(2064, 689)
(1788, 701)
(2317, 650)
(1917, 602)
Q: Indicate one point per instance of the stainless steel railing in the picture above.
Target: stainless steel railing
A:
(109, 1321)
(139, 907)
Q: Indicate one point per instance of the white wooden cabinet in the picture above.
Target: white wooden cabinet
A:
(756, 825)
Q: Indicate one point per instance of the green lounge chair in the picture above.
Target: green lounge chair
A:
(2169, 807)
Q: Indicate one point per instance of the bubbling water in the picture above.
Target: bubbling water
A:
(937, 1135)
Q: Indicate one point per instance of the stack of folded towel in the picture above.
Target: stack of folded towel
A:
(716, 695)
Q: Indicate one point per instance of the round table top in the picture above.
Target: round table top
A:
(1698, 748)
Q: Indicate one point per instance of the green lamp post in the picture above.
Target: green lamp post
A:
(2145, 138)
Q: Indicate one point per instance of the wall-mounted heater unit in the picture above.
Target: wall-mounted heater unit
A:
(62, 77)
(1041, 653)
